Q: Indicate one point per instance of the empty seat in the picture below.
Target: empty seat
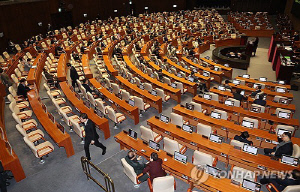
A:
(33, 136)
(237, 143)
(22, 115)
(296, 151)
(115, 88)
(197, 106)
(205, 130)
(200, 158)
(170, 146)
(41, 149)
(177, 119)
(161, 94)
(147, 134)
(148, 87)
(115, 117)
(236, 102)
(180, 86)
(26, 125)
(140, 104)
(282, 110)
(238, 174)
(125, 95)
(129, 171)
(162, 184)
(102, 107)
(255, 121)
(167, 80)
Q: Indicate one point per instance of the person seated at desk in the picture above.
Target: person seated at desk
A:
(51, 79)
(260, 100)
(154, 167)
(281, 183)
(23, 88)
(243, 138)
(285, 146)
(5, 79)
(238, 96)
(160, 74)
(86, 86)
(258, 90)
(133, 160)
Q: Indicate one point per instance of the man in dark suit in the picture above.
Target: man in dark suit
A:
(73, 74)
(281, 184)
(154, 167)
(86, 86)
(285, 146)
(238, 96)
(133, 160)
(91, 136)
(258, 90)
(243, 138)
(260, 100)
(23, 88)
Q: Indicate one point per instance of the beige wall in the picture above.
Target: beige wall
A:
(295, 20)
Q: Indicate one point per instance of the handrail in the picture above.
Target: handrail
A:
(109, 184)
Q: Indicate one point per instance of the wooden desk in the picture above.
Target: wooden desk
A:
(128, 110)
(217, 75)
(62, 67)
(154, 101)
(273, 105)
(60, 138)
(86, 66)
(176, 168)
(109, 66)
(239, 113)
(9, 159)
(174, 93)
(225, 152)
(227, 42)
(269, 85)
(228, 129)
(226, 70)
(101, 123)
(190, 86)
(270, 94)
(35, 74)
(202, 48)
(13, 63)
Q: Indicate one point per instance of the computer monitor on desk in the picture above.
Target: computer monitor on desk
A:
(247, 124)
(246, 76)
(189, 106)
(174, 85)
(281, 131)
(289, 160)
(153, 92)
(132, 134)
(280, 89)
(187, 128)
(250, 149)
(229, 103)
(164, 118)
(213, 171)
(284, 101)
(154, 145)
(236, 82)
(206, 73)
(255, 109)
(191, 79)
(284, 115)
(207, 96)
(250, 185)
(180, 157)
(221, 88)
(215, 115)
(215, 138)
(131, 102)
(263, 79)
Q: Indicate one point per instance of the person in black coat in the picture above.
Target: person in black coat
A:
(243, 138)
(285, 146)
(23, 88)
(133, 160)
(260, 100)
(73, 74)
(91, 136)
(238, 96)
(255, 45)
(258, 90)
(281, 184)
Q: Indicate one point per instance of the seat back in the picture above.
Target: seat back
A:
(146, 133)
(197, 106)
(163, 184)
(238, 174)
(277, 97)
(176, 119)
(115, 88)
(160, 93)
(236, 102)
(112, 115)
(139, 103)
(180, 86)
(65, 117)
(91, 98)
(148, 87)
(285, 127)
(200, 158)
(282, 110)
(167, 80)
(296, 151)
(129, 171)
(262, 108)
(292, 188)
(237, 143)
(223, 113)
(255, 121)
(31, 146)
(77, 129)
(170, 146)
(125, 95)
(214, 96)
(205, 130)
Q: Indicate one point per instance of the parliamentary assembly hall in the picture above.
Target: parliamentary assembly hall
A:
(149, 95)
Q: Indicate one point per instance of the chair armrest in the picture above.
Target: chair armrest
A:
(27, 123)
(215, 162)
(137, 178)
(36, 134)
(43, 149)
(26, 116)
(271, 188)
(183, 149)
(159, 135)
